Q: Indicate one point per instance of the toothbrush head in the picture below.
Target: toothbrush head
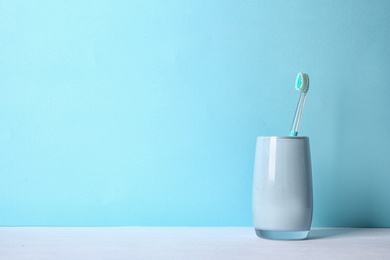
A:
(302, 82)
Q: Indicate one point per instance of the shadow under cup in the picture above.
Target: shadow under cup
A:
(282, 199)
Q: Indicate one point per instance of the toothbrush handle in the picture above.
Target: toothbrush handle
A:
(298, 115)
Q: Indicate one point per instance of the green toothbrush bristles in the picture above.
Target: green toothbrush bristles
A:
(302, 82)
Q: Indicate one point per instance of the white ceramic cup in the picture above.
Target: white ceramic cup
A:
(282, 201)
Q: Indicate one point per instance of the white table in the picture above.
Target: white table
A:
(187, 243)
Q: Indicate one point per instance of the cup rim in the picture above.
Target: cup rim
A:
(283, 137)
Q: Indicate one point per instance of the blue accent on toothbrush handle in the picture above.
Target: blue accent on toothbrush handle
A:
(293, 133)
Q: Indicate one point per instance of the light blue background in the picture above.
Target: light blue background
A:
(147, 112)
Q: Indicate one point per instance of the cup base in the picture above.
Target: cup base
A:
(282, 235)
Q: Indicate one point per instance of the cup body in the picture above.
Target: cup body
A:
(282, 199)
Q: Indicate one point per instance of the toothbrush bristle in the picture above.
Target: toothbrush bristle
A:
(302, 82)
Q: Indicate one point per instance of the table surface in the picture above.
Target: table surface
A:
(188, 243)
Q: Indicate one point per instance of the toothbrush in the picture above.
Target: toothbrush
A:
(302, 85)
